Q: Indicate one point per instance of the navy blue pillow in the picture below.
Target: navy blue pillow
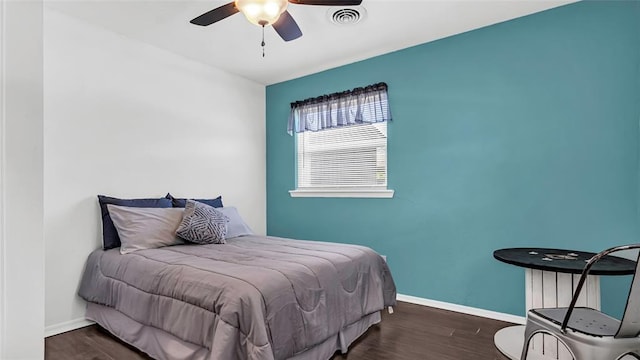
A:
(110, 238)
(180, 203)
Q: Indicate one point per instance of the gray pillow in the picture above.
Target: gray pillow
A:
(145, 228)
(202, 224)
(236, 226)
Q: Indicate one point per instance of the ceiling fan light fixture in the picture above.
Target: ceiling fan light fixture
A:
(262, 12)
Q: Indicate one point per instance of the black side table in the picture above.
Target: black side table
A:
(564, 261)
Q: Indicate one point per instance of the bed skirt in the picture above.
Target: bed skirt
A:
(162, 345)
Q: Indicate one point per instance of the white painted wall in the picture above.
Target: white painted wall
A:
(126, 119)
(21, 150)
(2, 165)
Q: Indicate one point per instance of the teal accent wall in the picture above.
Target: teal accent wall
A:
(520, 134)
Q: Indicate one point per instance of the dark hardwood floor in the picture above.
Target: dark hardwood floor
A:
(411, 332)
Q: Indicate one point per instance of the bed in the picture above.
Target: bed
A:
(255, 297)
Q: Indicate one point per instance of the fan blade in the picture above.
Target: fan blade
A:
(327, 2)
(287, 28)
(215, 15)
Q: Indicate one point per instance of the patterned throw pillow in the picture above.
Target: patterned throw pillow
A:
(202, 224)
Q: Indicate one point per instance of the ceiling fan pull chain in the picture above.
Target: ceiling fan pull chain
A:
(263, 23)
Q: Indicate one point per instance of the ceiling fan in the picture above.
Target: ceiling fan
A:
(267, 12)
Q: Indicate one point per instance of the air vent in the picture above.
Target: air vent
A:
(346, 16)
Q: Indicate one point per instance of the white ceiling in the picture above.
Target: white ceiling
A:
(233, 44)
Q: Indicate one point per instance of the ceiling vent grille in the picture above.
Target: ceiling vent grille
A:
(346, 16)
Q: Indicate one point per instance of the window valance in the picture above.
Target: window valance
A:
(362, 105)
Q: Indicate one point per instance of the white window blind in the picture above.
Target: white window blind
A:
(343, 158)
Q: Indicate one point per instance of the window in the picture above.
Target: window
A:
(348, 160)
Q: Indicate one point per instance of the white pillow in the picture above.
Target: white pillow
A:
(236, 226)
(145, 228)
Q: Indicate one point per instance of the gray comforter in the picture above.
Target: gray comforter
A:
(253, 298)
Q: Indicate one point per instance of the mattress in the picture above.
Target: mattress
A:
(255, 297)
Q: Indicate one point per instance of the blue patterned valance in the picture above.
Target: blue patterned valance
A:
(358, 106)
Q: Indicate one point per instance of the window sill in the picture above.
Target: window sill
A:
(376, 194)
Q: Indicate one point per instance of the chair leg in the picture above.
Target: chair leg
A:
(525, 348)
(528, 334)
(531, 329)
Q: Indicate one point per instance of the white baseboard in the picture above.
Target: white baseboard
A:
(462, 309)
(66, 326)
